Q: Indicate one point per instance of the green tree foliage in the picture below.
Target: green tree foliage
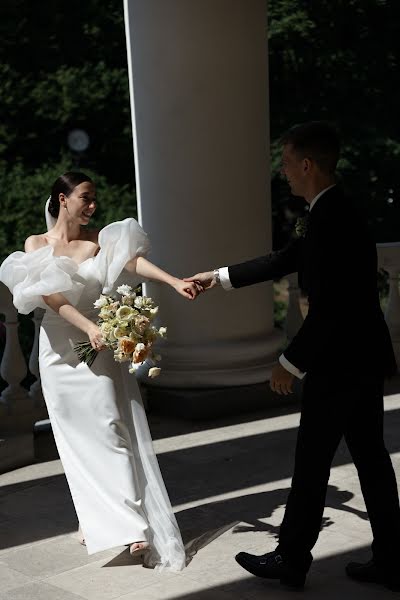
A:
(340, 61)
(23, 205)
(62, 66)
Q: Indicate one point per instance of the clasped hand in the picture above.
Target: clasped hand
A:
(281, 380)
(204, 281)
(187, 289)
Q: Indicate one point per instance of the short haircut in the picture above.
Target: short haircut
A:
(316, 140)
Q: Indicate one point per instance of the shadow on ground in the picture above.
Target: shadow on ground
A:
(41, 508)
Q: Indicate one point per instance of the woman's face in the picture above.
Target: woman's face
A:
(81, 203)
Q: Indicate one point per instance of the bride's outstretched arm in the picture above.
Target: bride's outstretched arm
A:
(146, 270)
(64, 308)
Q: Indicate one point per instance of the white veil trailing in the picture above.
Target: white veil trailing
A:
(50, 220)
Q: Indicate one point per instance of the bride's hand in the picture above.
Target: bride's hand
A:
(206, 280)
(189, 290)
(95, 337)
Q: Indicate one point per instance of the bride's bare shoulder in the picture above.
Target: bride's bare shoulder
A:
(34, 242)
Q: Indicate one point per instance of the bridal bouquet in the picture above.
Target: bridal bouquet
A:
(126, 325)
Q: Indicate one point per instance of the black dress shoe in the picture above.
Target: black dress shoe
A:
(272, 566)
(370, 573)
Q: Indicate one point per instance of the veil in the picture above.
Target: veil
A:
(50, 220)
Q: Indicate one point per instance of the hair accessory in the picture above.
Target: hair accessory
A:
(50, 220)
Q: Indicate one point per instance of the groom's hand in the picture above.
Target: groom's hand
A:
(281, 380)
(206, 280)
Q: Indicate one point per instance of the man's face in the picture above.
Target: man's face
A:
(294, 169)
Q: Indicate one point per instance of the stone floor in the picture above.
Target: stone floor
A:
(228, 480)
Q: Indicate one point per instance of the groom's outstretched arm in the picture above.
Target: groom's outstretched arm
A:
(272, 266)
(264, 268)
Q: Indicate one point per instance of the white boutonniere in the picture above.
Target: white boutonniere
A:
(301, 226)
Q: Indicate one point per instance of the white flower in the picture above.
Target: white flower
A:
(134, 367)
(138, 301)
(124, 290)
(107, 312)
(154, 372)
(108, 332)
(119, 332)
(154, 311)
(100, 302)
(124, 313)
(162, 331)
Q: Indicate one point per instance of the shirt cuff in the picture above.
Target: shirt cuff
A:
(291, 368)
(224, 278)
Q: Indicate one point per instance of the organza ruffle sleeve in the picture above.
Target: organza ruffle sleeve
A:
(119, 242)
(31, 275)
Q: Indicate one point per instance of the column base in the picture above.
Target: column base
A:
(210, 403)
(218, 364)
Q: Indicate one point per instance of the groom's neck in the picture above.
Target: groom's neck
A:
(318, 185)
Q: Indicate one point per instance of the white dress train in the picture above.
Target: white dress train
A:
(97, 415)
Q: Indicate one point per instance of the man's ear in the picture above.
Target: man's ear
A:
(307, 165)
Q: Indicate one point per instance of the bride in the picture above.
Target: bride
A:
(97, 415)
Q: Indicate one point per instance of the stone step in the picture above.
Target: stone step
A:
(16, 451)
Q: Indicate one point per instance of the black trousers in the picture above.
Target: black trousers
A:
(330, 411)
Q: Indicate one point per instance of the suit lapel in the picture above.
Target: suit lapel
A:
(318, 217)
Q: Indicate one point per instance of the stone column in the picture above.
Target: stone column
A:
(199, 96)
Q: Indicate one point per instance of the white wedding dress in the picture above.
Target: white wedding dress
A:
(97, 415)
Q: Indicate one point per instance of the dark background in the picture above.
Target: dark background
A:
(63, 66)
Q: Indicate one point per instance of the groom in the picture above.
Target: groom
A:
(343, 350)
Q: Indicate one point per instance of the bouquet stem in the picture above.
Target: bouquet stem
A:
(86, 353)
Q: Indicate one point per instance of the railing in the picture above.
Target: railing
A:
(20, 408)
(389, 261)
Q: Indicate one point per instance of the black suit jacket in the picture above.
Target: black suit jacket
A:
(336, 260)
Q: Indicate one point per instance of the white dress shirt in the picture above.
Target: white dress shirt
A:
(226, 284)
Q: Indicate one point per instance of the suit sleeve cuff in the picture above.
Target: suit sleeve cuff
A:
(291, 368)
(224, 278)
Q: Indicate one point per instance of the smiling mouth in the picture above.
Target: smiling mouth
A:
(87, 215)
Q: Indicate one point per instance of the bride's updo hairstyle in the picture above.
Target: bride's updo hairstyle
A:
(65, 184)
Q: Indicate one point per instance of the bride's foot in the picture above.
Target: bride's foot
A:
(140, 547)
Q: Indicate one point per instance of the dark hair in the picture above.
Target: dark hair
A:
(317, 140)
(65, 184)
